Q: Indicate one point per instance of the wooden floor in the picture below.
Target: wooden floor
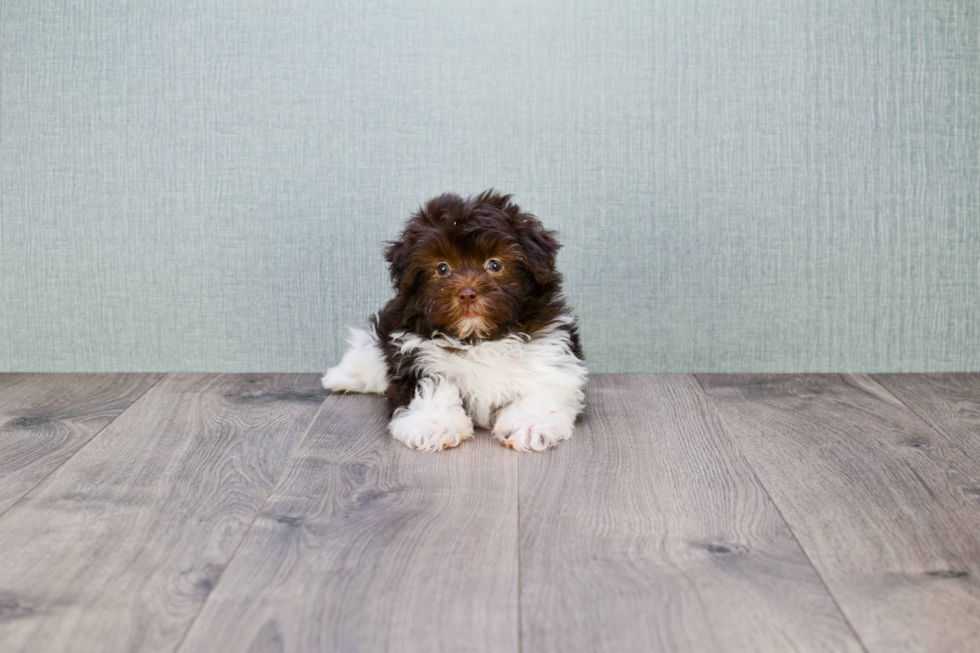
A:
(180, 512)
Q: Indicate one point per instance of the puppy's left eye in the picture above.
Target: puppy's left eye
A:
(494, 265)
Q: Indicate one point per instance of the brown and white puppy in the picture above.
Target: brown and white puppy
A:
(477, 332)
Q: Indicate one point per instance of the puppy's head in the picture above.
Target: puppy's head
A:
(472, 268)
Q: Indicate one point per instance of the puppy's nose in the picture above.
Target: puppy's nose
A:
(467, 295)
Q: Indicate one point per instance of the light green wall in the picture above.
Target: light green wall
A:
(741, 186)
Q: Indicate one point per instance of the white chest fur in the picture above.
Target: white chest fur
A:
(491, 375)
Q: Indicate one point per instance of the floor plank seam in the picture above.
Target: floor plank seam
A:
(924, 420)
(87, 443)
(653, 530)
(789, 527)
(520, 585)
(190, 625)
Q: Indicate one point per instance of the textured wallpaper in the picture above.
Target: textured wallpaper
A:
(740, 186)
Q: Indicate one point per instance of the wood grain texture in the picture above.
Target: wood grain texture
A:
(366, 545)
(45, 418)
(950, 404)
(875, 498)
(647, 531)
(117, 550)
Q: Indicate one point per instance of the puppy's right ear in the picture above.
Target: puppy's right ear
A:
(404, 262)
(398, 254)
(402, 254)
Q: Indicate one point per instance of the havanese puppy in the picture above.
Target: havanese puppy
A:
(477, 332)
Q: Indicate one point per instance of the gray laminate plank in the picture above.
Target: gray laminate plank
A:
(949, 403)
(117, 549)
(46, 418)
(647, 531)
(366, 545)
(874, 497)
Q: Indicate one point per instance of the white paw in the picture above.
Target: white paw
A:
(363, 367)
(337, 379)
(435, 420)
(425, 432)
(533, 424)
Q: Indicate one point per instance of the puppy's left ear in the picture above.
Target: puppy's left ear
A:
(540, 247)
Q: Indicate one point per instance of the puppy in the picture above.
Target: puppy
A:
(477, 332)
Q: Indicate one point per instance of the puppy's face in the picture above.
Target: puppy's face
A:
(472, 268)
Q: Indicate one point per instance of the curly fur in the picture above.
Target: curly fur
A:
(477, 331)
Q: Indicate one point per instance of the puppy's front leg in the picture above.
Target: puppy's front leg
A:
(534, 423)
(434, 420)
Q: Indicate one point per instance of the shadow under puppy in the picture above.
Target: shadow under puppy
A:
(477, 332)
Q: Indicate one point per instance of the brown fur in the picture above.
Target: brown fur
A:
(523, 297)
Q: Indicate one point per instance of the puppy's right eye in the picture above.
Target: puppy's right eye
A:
(442, 269)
